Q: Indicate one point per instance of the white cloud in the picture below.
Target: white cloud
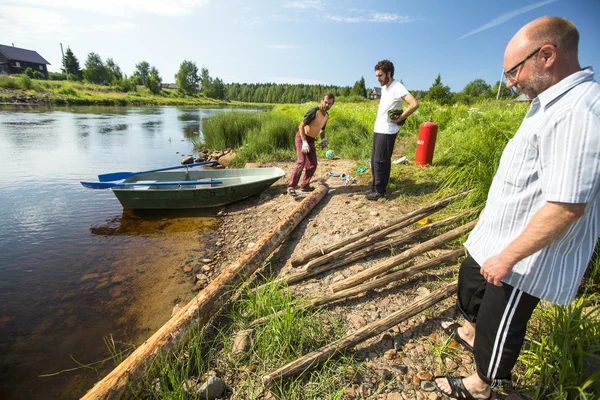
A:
(281, 46)
(121, 8)
(372, 17)
(294, 81)
(506, 17)
(31, 22)
(305, 4)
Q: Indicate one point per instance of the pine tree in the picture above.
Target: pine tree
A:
(439, 93)
(71, 66)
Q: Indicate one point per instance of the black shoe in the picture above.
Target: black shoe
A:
(371, 190)
(374, 196)
(307, 189)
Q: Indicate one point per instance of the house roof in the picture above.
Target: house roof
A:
(18, 54)
(376, 90)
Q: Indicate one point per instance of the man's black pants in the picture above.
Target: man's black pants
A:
(501, 314)
(381, 160)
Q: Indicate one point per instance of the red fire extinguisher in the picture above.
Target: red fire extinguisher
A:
(426, 143)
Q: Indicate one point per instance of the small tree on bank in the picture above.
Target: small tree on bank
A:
(95, 71)
(187, 78)
(142, 72)
(154, 81)
(439, 93)
(71, 65)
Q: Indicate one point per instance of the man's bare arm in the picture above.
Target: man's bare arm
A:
(551, 221)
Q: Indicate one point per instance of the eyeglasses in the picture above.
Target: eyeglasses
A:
(511, 73)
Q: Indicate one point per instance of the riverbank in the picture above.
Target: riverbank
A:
(61, 93)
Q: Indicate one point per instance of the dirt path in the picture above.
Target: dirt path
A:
(406, 352)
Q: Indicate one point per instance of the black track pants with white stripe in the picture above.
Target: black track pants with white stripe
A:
(501, 314)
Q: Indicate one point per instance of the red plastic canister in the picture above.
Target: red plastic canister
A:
(426, 143)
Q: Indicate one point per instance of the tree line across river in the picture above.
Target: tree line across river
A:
(192, 82)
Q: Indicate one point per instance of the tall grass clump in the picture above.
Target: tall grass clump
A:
(24, 82)
(471, 146)
(227, 130)
(8, 82)
(591, 280)
(567, 342)
(280, 340)
(272, 140)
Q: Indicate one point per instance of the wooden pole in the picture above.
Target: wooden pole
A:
(367, 251)
(350, 256)
(386, 265)
(365, 287)
(360, 243)
(386, 279)
(302, 259)
(324, 353)
(203, 307)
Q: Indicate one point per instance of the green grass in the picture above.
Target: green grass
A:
(561, 339)
(82, 93)
(280, 340)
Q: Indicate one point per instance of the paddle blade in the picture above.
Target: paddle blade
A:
(115, 176)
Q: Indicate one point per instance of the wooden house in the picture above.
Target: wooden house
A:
(375, 94)
(14, 60)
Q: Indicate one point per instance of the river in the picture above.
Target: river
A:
(78, 274)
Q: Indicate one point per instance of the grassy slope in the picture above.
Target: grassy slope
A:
(13, 90)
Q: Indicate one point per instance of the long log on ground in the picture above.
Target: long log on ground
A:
(375, 284)
(360, 243)
(386, 265)
(387, 279)
(367, 251)
(302, 259)
(201, 308)
(324, 353)
(374, 247)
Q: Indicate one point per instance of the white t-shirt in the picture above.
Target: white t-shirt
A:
(391, 97)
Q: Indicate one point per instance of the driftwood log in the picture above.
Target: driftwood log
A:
(386, 265)
(324, 353)
(201, 308)
(423, 212)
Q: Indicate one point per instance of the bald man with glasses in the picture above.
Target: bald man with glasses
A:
(537, 234)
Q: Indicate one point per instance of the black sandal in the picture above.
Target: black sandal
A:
(457, 387)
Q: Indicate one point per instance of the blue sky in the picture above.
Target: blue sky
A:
(294, 41)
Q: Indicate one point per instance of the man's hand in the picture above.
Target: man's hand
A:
(324, 143)
(495, 269)
(305, 147)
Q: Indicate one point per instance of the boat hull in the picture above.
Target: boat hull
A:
(237, 184)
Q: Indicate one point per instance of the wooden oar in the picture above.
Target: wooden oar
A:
(117, 176)
(108, 185)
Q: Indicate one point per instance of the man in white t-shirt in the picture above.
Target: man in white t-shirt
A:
(393, 94)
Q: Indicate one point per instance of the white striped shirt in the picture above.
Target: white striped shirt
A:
(554, 156)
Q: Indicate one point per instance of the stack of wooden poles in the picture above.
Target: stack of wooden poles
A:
(381, 274)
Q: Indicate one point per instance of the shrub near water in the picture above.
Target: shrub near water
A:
(273, 140)
(228, 129)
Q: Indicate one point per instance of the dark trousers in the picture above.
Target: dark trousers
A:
(306, 162)
(501, 314)
(381, 160)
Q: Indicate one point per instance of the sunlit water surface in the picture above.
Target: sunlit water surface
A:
(75, 269)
